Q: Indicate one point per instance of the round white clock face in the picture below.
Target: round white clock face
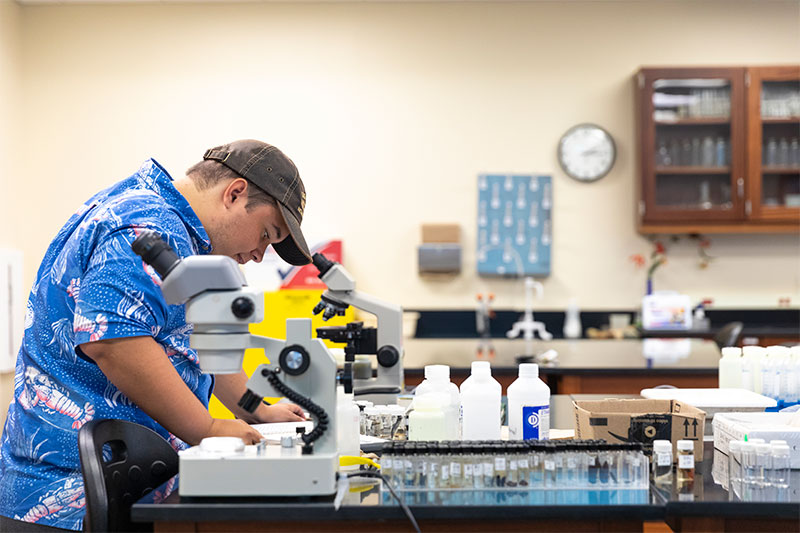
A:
(586, 152)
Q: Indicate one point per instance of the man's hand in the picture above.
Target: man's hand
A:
(281, 412)
(234, 428)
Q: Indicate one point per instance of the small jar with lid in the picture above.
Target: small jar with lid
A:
(662, 462)
(686, 463)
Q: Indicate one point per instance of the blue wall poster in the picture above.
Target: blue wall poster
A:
(515, 230)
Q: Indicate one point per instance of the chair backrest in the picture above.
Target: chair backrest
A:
(729, 334)
(141, 460)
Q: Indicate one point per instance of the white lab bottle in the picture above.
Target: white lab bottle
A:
(528, 405)
(753, 355)
(426, 420)
(480, 404)
(572, 321)
(437, 379)
(347, 424)
(730, 368)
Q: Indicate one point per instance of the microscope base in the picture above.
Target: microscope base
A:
(275, 471)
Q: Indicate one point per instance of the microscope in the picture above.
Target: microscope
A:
(385, 341)
(221, 307)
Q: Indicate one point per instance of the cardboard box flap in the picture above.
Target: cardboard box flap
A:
(635, 406)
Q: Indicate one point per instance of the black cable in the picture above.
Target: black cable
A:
(302, 401)
(403, 506)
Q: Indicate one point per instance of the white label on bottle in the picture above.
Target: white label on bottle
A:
(499, 463)
(635, 462)
(424, 466)
(445, 472)
(685, 461)
(559, 462)
(512, 465)
(523, 463)
(571, 463)
(592, 461)
(477, 469)
(663, 459)
(387, 463)
(549, 465)
(488, 469)
(535, 422)
(455, 468)
(468, 470)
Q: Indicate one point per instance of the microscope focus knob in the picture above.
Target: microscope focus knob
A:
(346, 379)
(388, 356)
(242, 307)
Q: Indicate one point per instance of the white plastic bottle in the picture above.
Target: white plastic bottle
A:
(528, 405)
(779, 358)
(347, 424)
(426, 421)
(480, 404)
(437, 379)
(572, 321)
(753, 356)
(730, 368)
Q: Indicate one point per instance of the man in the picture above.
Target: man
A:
(101, 342)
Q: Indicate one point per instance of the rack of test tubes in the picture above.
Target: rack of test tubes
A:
(514, 465)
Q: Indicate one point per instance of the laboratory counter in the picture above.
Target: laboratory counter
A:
(365, 507)
(582, 366)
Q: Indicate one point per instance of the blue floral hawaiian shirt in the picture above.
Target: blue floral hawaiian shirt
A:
(91, 286)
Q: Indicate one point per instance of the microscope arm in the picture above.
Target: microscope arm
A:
(390, 316)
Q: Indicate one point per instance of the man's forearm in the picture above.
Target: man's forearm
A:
(229, 389)
(140, 368)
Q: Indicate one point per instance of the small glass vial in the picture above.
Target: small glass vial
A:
(488, 465)
(686, 464)
(662, 462)
(456, 466)
(500, 465)
(779, 472)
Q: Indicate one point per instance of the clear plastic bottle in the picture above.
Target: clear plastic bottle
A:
(708, 150)
(780, 465)
(662, 462)
(480, 404)
(730, 368)
(771, 153)
(735, 468)
(686, 464)
(528, 405)
(437, 379)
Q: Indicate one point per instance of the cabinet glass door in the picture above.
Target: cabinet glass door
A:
(780, 145)
(692, 146)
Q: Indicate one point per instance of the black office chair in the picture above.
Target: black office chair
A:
(729, 335)
(141, 460)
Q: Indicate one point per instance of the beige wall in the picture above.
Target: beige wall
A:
(390, 111)
(9, 124)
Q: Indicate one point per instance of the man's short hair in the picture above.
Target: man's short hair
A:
(208, 173)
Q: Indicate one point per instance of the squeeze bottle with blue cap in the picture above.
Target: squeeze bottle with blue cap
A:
(528, 405)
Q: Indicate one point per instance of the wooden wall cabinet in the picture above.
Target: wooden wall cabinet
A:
(718, 149)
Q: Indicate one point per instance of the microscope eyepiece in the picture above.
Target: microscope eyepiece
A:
(155, 252)
(322, 263)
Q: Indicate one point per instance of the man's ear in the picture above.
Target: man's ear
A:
(236, 191)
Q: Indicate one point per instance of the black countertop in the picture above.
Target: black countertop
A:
(708, 499)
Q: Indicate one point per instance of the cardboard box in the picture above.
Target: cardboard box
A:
(642, 421)
(448, 233)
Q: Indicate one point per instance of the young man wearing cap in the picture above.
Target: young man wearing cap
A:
(101, 342)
